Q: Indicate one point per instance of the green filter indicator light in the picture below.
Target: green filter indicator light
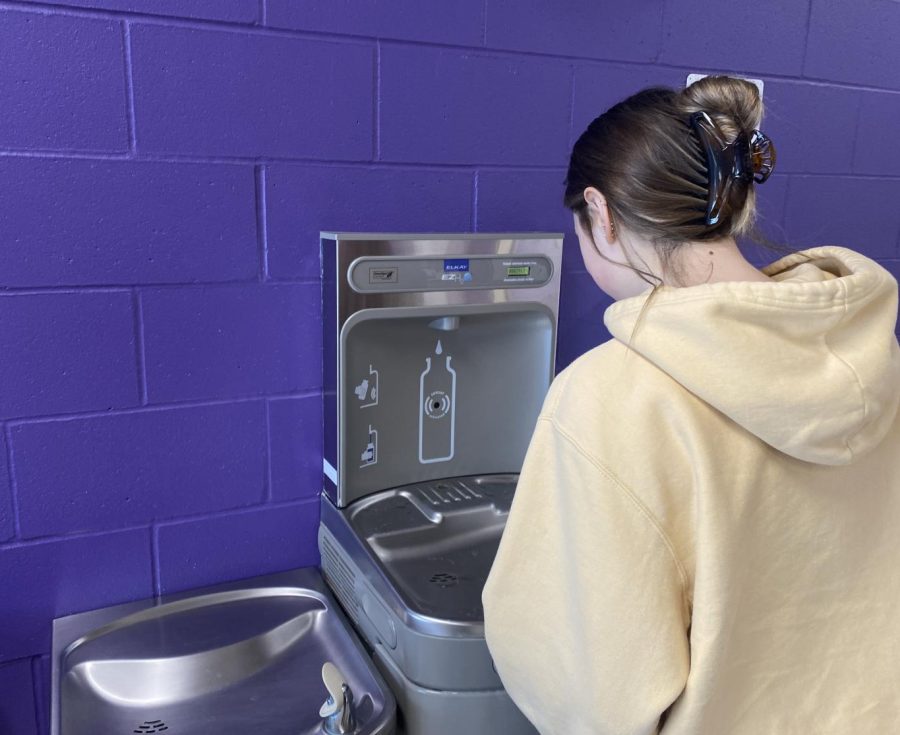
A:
(517, 271)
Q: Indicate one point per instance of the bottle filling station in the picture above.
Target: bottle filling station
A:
(439, 350)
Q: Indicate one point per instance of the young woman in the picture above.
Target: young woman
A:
(705, 539)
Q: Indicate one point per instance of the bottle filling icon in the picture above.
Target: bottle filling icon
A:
(437, 409)
(369, 455)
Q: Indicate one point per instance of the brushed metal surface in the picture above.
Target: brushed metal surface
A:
(448, 246)
(344, 306)
(225, 661)
(410, 541)
(437, 540)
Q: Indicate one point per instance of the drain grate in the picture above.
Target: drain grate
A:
(444, 579)
(151, 726)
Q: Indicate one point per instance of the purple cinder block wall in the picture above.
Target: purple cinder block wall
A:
(165, 169)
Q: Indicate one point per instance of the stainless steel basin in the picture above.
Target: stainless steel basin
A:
(437, 540)
(242, 658)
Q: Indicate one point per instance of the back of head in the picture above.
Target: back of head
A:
(649, 163)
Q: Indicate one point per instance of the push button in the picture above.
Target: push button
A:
(380, 619)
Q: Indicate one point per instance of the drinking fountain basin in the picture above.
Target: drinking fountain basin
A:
(233, 659)
(436, 541)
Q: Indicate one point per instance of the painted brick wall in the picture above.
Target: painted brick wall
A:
(164, 171)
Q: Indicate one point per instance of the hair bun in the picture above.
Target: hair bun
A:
(733, 103)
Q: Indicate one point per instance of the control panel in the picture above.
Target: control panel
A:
(380, 274)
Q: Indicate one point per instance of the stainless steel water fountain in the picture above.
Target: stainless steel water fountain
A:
(439, 350)
(255, 656)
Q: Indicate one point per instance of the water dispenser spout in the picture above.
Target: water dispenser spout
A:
(337, 710)
(445, 323)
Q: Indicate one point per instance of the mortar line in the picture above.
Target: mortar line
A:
(162, 286)
(137, 309)
(250, 28)
(571, 132)
(154, 560)
(787, 201)
(11, 477)
(150, 408)
(37, 691)
(129, 87)
(662, 32)
(267, 491)
(255, 160)
(36, 7)
(806, 38)
(475, 201)
(856, 126)
(332, 163)
(263, 20)
(158, 524)
(262, 218)
(376, 123)
(70, 536)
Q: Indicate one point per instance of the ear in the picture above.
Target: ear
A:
(599, 211)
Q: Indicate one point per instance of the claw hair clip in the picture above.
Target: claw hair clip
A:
(745, 159)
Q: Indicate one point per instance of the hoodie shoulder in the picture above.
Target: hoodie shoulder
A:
(613, 391)
(808, 362)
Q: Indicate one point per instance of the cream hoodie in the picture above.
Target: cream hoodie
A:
(705, 539)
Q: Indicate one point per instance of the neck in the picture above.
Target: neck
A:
(714, 261)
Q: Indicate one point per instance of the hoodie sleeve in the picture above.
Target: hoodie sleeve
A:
(585, 612)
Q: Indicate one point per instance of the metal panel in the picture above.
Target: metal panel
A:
(488, 276)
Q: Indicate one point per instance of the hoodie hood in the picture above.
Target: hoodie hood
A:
(808, 362)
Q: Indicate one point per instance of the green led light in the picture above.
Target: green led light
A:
(518, 270)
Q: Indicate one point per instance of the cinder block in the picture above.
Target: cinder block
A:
(66, 352)
(764, 36)
(861, 214)
(581, 299)
(600, 86)
(577, 337)
(238, 545)
(61, 577)
(853, 42)
(63, 83)
(107, 472)
(234, 11)
(295, 447)
(447, 106)
(304, 200)
(17, 711)
(876, 148)
(770, 204)
(117, 222)
(624, 31)
(230, 341)
(813, 126)
(894, 267)
(518, 201)
(457, 23)
(572, 260)
(229, 93)
(42, 688)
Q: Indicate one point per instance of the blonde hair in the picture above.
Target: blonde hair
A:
(648, 162)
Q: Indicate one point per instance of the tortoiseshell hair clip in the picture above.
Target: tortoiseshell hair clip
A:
(746, 159)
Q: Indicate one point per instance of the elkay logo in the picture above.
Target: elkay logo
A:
(456, 265)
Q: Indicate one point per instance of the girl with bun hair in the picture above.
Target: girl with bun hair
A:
(704, 538)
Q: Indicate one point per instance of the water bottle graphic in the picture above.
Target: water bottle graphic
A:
(437, 409)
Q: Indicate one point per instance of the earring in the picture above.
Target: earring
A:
(612, 229)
